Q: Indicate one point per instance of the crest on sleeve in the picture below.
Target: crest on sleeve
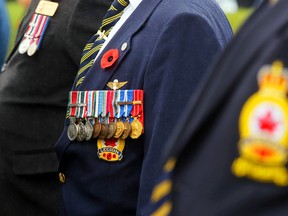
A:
(263, 128)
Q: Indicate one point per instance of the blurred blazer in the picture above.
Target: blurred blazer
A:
(206, 141)
(164, 48)
(33, 95)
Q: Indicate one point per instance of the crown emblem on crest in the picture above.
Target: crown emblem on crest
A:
(273, 78)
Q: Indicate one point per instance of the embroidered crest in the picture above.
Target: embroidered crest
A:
(110, 149)
(263, 128)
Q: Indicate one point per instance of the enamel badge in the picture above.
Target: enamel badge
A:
(263, 128)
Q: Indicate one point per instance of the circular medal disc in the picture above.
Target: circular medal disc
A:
(72, 131)
(136, 129)
(112, 130)
(96, 129)
(119, 129)
(32, 49)
(127, 130)
(82, 132)
(89, 130)
(24, 46)
(104, 131)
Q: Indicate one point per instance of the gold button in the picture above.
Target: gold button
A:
(124, 46)
(62, 178)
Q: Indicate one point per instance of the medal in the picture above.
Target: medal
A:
(126, 131)
(96, 129)
(72, 131)
(82, 132)
(136, 128)
(112, 130)
(119, 129)
(89, 129)
(24, 46)
(32, 49)
(104, 131)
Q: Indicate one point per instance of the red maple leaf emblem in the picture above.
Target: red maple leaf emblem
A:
(267, 123)
(111, 142)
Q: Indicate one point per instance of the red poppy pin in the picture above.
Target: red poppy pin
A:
(109, 58)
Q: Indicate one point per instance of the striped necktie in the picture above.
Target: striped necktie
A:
(161, 202)
(93, 46)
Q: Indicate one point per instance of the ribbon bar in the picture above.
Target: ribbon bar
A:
(132, 102)
(77, 105)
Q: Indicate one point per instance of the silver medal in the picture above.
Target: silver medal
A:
(82, 132)
(24, 46)
(73, 130)
(32, 49)
(89, 130)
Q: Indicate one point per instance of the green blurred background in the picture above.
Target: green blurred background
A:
(17, 11)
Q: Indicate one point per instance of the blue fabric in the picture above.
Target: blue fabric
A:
(4, 31)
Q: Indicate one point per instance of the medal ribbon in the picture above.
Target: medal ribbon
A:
(96, 103)
(100, 103)
(128, 98)
(72, 100)
(104, 104)
(138, 108)
(120, 98)
(90, 104)
(110, 102)
(42, 28)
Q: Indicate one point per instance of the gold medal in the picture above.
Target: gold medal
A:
(136, 129)
(119, 129)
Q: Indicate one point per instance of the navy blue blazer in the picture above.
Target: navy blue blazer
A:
(206, 141)
(169, 47)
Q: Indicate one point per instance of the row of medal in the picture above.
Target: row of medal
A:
(37, 27)
(105, 114)
(93, 128)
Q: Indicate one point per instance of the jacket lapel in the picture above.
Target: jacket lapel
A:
(123, 36)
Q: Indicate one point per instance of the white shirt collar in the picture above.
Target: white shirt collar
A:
(135, 3)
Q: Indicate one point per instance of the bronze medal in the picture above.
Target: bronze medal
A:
(89, 130)
(127, 130)
(96, 129)
(119, 129)
(82, 131)
(112, 130)
(104, 131)
(137, 129)
(72, 130)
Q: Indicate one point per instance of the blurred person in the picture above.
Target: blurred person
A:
(134, 79)
(228, 155)
(4, 31)
(33, 91)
